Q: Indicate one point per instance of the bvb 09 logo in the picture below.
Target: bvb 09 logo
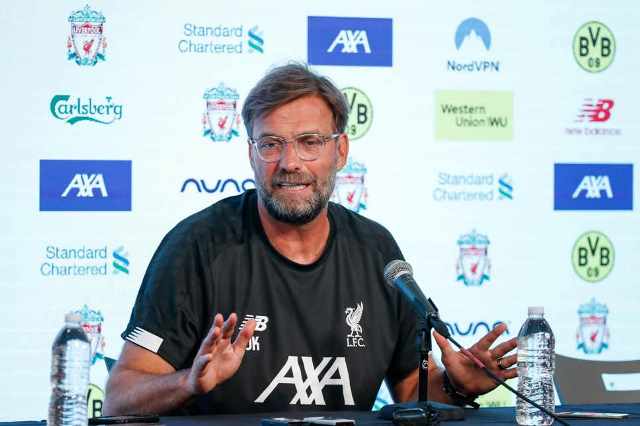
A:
(593, 256)
(360, 112)
(594, 47)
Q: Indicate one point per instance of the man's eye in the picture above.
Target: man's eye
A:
(310, 141)
(269, 145)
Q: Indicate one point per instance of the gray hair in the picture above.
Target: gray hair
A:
(290, 82)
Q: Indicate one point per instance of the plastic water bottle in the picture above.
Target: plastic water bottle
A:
(70, 359)
(536, 362)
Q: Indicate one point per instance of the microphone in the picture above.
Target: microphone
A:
(399, 274)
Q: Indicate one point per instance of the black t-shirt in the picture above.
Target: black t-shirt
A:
(327, 333)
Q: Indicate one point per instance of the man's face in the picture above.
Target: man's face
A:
(293, 190)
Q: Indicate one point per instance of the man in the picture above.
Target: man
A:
(300, 276)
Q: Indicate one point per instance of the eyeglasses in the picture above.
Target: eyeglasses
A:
(308, 146)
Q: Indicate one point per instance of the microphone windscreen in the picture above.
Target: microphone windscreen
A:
(395, 268)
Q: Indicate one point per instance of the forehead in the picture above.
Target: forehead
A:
(304, 114)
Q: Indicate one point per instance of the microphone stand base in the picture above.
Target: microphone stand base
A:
(445, 412)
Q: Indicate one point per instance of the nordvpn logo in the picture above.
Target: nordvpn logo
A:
(350, 41)
(473, 43)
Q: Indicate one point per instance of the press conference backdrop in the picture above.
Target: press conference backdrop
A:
(497, 141)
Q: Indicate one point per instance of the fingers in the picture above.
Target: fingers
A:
(244, 336)
(229, 326)
(511, 373)
(443, 343)
(213, 335)
(488, 339)
(200, 363)
(505, 347)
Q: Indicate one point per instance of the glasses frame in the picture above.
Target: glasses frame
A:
(294, 142)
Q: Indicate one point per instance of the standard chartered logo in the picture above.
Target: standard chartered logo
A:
(593, 256)
(594, 47)
(360, 112)
(84, 261)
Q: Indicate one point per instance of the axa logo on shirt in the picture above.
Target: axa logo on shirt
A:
(85, 185)
(309, 390)
(350, 41)
(593, 187)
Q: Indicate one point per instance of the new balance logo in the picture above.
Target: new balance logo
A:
(350, 40)
(146, 339)
(261, 321)
(593, 186)
(309, 390)
(85, 184)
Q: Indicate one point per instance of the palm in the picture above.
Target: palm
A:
(219, 358)
(463, 371)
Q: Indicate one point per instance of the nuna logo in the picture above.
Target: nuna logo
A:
(219, 185)
(85, 185)
(593, 186)
(473, 328)
(350, 41)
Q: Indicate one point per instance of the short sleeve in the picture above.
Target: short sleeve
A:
(165, 318)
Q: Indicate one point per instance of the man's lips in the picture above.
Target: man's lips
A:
(292, 186)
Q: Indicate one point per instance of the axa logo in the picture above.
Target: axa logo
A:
(595, 111)
(593, 186)
(473, 328)
(86, 43)
(219, 186)
(310, 386)
(353, 316)
(85, 185)
(350, 41)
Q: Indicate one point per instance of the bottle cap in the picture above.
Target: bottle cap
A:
(73, 317)
(536, 310)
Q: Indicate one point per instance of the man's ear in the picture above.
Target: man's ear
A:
(343, 150)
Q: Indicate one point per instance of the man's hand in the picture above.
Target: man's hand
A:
(218, 358)
(465, 375)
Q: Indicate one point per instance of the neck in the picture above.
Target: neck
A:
(302, 244)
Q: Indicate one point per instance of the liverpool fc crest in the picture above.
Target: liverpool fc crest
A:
(593, 333)
(221, 120)
(350, 190)
(86, 43)
(473, 266)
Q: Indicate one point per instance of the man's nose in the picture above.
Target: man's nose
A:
(289, 159)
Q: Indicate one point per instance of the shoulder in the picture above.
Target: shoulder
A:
(363, 231)
(222, 223)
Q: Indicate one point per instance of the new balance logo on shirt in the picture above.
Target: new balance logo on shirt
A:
(309, 389)
(261, 325)
(146, 339)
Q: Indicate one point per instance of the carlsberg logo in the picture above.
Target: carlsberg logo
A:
(75, 109)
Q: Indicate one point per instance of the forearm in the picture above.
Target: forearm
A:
(134, 392)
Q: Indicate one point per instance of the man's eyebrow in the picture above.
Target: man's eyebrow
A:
(305, 132)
